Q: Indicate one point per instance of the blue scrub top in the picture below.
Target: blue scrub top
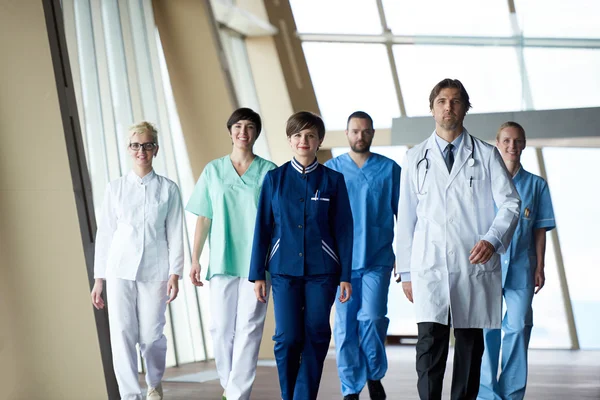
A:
(520, 260)
(303, 224)
(374, 190)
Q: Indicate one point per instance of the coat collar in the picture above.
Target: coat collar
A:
(132, 176)
(463, 154)
(304, 170)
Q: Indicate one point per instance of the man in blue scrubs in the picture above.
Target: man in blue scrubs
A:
(522, 275)
(361, 324)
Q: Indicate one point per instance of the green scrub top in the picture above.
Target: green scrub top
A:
(230, 201)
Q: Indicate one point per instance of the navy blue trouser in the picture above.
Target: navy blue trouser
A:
(302, 331)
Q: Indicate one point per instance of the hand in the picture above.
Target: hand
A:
(407, 287)
(195, 274)
(345, 291)
(97, 300)
(398, 278)
(260, 290)
(540, 279)
(481, 252)
(172, 287)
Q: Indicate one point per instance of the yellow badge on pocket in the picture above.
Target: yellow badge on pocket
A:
(526, 212)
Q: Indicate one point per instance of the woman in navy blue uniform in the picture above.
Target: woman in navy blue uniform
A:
(303, 238)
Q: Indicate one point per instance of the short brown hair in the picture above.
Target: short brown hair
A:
(245, 114)
(511, 124)
(305, 120)
(450, 83)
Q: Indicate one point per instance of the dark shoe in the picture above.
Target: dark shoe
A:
(353, 396)
(376, 390)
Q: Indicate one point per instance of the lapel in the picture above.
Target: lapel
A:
(462, 156)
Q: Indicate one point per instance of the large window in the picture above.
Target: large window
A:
(120, 78)
(543, 55)
(551, 329)
(573, 82)
(490, 74)
(575, 194)
(558, 18)
(336, 16)
(448, 18)
(352, 77)
(539, 55)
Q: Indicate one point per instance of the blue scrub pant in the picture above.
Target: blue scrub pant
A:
(516, 325)
(360, 329)
(302, 331)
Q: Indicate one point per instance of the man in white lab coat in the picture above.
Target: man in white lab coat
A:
(448, 242)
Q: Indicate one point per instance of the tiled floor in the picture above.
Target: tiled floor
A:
(553, 375)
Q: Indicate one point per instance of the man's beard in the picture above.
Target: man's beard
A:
(450, 125)
(364, 148)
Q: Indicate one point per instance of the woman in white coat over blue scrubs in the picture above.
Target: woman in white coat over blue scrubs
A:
(449, 236)
(139, 252)
(522, 275)
(303, 238)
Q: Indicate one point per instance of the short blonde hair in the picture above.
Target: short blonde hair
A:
(144, 127)
(510, 124)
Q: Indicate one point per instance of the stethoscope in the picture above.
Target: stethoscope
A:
(470, 163)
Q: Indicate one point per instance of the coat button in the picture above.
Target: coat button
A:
(303, 176)
(301, 200)
(299, 226)
(300, 254)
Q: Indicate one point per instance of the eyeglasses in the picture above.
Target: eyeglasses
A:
(149, 146)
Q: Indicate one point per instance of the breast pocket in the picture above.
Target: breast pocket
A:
(320, 203)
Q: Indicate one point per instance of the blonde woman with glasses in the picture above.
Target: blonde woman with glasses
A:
(139, 253)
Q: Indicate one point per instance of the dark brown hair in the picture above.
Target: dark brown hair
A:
(450, 83)
(245, 114)
(305, 120)
(360, 115)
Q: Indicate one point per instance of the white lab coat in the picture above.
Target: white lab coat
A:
(140, 230)
(441, 217)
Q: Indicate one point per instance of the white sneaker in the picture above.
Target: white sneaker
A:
(155, 393)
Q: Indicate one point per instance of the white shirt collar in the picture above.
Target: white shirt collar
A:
(442, 143)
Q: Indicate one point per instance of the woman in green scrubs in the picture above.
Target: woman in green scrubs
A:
(225, 200)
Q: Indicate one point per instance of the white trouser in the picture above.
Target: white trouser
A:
(237, 326)
(136, 313)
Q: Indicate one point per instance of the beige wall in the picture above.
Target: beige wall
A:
(202, 94)
(48, 342)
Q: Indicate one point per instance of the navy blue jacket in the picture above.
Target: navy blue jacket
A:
(304, 223)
